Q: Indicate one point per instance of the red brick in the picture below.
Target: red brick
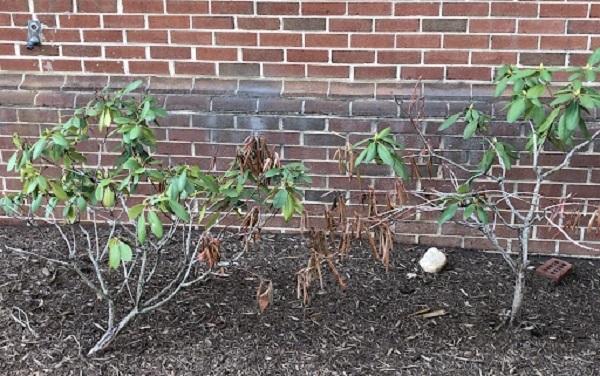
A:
(326, 40)
(417, 9)
(515, 9)
(398, 57)
(194, 68)
(493, 58)
(446, 57)
(425, 73)
(79, 21)
(235, 39)
(58, 35)
(563, 42)
(492, 25)
(272, 55)
(81, 50)
(43, 50)
(216, 53)
(106, 66)
(124, 52)
(469, 73)
(61, 66)
(103, 36)
(19, 65)
(294, 55)
(583, 27)
(257, 23)
(149, 67)
(187, 6)
(123, 21)
(163, 52)
(354, 24)
(323, 8)
(353, 56)
(465, 9)
(328, 71)
(169, 22)
(466, 41)
(514, 42)
(14, 6)
(372, 41)
(96, 6)
(209, 23)
(191, 37)
(370, 8)
(380, 72)
(389, 25)
(284, 70)
(143, 6)
(278, 8)
(594, 11)
(280, 39)
(564, 10)
(54, 6)
(418, 41)
(147, 36)
(5, 19)
(542, 26)
(232, 7)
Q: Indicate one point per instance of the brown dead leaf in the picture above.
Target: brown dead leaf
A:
(264, 295)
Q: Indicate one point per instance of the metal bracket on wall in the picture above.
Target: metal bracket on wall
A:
(34, 34)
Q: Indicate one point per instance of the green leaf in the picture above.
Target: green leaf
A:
(470, 130)
(108, 198)
(179, 210)
(141, 229)
(39, 148)
(289, 207)
(448, 214)
(60, 140)
(280, 198)
(58, 191)
(12, 162)
(594, 58)
(135, 132)
(448, 122)
(132, 86)
(501, 86)
(517, 108)
(156, 225)
(135, 211)
(468, 212)
(482, 215)
(371, 149)
(99, 193)
(386, 156)
(114, 253)
(36, 203)
(536, 91)
(360, 157)
(383, 133)
(125, 250)
(572, 116)
(487, 160)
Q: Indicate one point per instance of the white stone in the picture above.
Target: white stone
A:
(433, 260)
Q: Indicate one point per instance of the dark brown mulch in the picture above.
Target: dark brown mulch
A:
(214, 328)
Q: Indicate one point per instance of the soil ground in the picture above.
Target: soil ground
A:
(368, 329)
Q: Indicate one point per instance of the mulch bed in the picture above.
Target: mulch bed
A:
(368, 329)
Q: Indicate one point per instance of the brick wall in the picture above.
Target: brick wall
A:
(306, 74)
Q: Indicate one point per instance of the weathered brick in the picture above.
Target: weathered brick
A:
(257, 123)
(374, 108)
(239, 69)
(234, 104)
(303, 124)
(444, 25)
(304, 23)
(259, 88)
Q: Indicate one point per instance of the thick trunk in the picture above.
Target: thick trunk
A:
(112, 332)
(518, 295)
